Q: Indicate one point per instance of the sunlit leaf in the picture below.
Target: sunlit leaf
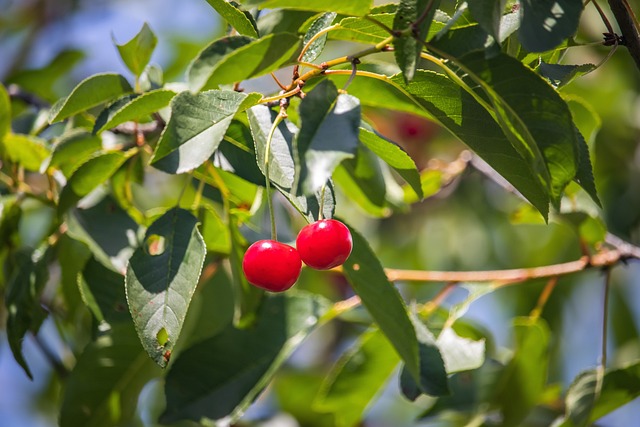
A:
(240, 20)
(92, 91)
(25, 150)
(197, 125)
(316, 47)
(136, 53)
(132, 107)
(352, 7)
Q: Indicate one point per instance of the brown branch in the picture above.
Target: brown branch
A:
(619, 251)
(629, 26)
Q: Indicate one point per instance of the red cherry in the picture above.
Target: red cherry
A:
(271, 265)
(324, 244)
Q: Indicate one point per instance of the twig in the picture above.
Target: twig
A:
(629, 26)
(16, 92)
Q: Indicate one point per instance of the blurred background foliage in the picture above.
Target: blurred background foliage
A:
(471, 223)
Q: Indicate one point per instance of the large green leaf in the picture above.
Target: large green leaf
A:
(25, 150)
(533, 112)
(197, 125)
(383, 301)
(488, 13)
(461, 114)
(328, 134)
(395, 157)
(240, 20)
(237, 58)
(352, 7)
(5, 112)
(161, 278)
(546, 23)
(132, 107)
(29, 276)
(315, 48)
(103, 388)
(92, 91)
(73, 149)
(414, 16)
(90, 175)
(525, 377)
(136, 53)
(221, 376)
(584, 174)
(362, 30)
(357, 378)
(283, 21)
(619, 387)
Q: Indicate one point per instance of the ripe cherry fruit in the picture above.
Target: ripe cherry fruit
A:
(271, 265)
(324, 244)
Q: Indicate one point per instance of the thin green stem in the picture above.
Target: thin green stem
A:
(267, 152)
(287, 94)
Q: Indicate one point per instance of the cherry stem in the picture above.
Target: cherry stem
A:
(276, 122)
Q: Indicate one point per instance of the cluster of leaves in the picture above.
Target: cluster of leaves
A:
(150, 192)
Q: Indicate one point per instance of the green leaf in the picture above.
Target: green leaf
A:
(488, 13)
(236, 58)
(525, 377)
(357, 378)
(362, 181)
(248, 297)
(432, 379)
(73, 149)
(136, 53)
(102, 290)
(161, 278)
(362, 30)
(42, 81)
(211, 58)
(584, 174)
(212, 305)
(283, 21)
(395, 157)
(132, 108)
(585, 404)
(561, 75)
(315, 49)
(546, 23)
(90, 92)
(435, 96)
(197, 125)
(328, 134)
(5, 112)
(25, 150)
(73, 255)
(240, 20)
(407, 48)
(107, 230)
(352, 7)
(232, 368)
(89, 176)
(215, 232)
(281, 163)
(383, 301)
(529, 109)
(29, 276)
(103, 388)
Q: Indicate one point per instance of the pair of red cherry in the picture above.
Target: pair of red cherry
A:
(275, 266)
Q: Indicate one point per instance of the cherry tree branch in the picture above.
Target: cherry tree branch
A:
(629, 26)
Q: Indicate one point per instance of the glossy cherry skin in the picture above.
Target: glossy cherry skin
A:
(324, 244)
(271, 265)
